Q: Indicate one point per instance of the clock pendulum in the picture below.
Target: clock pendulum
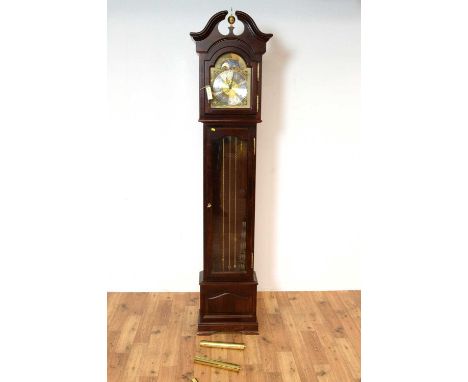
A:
(230, 108)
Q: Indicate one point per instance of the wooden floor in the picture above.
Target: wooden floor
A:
(304, 336)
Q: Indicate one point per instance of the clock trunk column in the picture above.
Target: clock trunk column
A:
(230, 99)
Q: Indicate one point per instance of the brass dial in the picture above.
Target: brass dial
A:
(230, 80)
(230, 88)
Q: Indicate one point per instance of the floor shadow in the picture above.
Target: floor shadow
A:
(268, 135)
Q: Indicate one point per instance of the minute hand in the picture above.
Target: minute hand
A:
(232, 79)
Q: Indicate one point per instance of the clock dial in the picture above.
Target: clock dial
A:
(230, 88)
(230, 80)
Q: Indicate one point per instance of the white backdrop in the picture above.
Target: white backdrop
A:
(73, 224)
(307, 213)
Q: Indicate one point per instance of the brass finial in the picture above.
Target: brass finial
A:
(231, 18)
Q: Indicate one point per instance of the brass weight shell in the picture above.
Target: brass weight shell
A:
(203, 360)
(222, 345)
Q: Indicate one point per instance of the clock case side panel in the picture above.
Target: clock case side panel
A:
(247, 133)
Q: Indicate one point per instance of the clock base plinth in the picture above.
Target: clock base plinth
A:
(206, 329)
(228, 306)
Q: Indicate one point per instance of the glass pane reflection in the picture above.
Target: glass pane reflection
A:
(230, 214)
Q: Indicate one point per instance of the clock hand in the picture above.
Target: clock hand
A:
(232, 77)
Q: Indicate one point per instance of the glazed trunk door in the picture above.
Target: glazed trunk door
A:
(229, 203)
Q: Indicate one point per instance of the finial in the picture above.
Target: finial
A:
(231, 18)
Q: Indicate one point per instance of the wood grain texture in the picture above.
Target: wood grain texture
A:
(304, 336)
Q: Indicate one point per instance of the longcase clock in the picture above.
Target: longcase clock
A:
(230, 74)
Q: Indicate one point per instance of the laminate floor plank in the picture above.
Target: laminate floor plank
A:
(304, 336)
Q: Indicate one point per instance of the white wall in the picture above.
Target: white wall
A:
(307, 149)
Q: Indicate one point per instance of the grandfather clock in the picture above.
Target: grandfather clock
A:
(230, 74)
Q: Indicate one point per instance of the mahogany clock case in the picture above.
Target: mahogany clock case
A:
(228, 283)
